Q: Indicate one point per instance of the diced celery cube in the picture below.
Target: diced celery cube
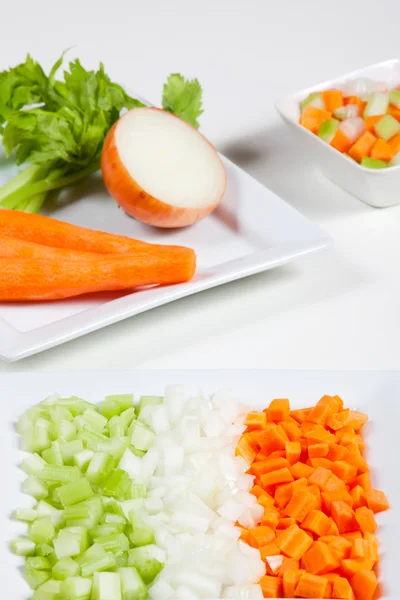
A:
(110, 408)
(116, 427)
(94, 420)
(50, 590)
(145, 560)
(60, 413)
(127, 416)
(148, 401)
(141, 438)
(117, 485)
(100, 467)
(387, 127)
(75, 492)
(53, 455)
(42, 530)
(107, 586)
(35, 487)
(59, 474)
(95, 559)
(124, 400)
(25, 514)
(373, 163)
(44, 509)
(328, 129)
(86, 513)
(314, 99)
(44, 550)
(377, 104)
(82, 459)
(70, 449)
(132, 585)
(35, 578)
(75, 405)
(40, 563)
(67, 545)
(142, 533)
(33, 464)
(23, 546)
(64, 568)
(395, 98)
(75, 588)
(115, 543)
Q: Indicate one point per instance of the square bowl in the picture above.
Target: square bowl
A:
(376, 187)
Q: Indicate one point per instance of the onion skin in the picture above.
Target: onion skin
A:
(135, 201)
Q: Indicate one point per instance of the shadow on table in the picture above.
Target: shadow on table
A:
(276, 159)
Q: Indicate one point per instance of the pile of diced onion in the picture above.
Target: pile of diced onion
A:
(138, 501)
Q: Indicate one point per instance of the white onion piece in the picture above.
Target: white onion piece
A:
(353, 128)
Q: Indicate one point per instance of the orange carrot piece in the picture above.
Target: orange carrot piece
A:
(337, 452)
(394, 143)
(311, 586)
(255, 421)
(338, 420)
(333, 529)
(344, 470)
(317, 522)
(294, 542)
(352, 535)
(271, 586)
(362, 147)
(274, 563)
(298, 485)
(257, 491)
(395, 112)
(300, 415)
(320, 559)
(246, 449)
(271, 439)
(342, 546)
(352, 100)
(350, 566)
(319, 434)
(318, 450)
(329, 497)
(47, 231)
(316, 492)
(358, 497)
(319, 477)
(356, 420)
(344, 516)
(270, 517)
(291, 579)
(300, 505)
(300, 470)
(377, 501)
(288, 564)
(311, 118)
(366, 520)
(277, 477)
(25, 279)
(278, 410)
(12, 247)
(270, 549)
(382, 151)
(292, 430)
(364, 481)
(283, 495)
(293, 452)
(260, 536)
(342, 589)
(365, 549)
(285, 522)
(327, 538)
(364, 584)
(276, 454)
(341, 142)
(268, 465)
(370, 122)
(333, 99)
(265, 500)
(322, 462)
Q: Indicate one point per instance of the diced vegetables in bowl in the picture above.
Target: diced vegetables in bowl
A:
(360, 119)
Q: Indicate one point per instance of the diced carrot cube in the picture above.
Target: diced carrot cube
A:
(342, 546)
(341, 142)
(342, 589)
(271, 586)
(285, 522)
(349, 566)
(333, 99)
(271, 439)
(377, 501)
(288, 564)
(362, 147)
(291, 579)
(265, 500)
(300, 505)
(270, 517)
(300, 415)
(364, 584)
(270, 549)
(260, 536)
(278, 410)
(300, 470)
(366, 520)
(395, 112)
(299, 484)
(277, 477)
(318, 450)
(344, 516)
(382, 151)
(394, 143)
(364, 481)
(257, 491)
(311, 118)
(283, 495)
(322, 462)
(336, 452)
(246, 449)
(294, 542)
(317, 522)
(316, 492)
(311, 586)
(370, 122)
(358, 497)
(256, 420)
(292, 430)
(259, 468)
(320, 559)
(344, 470)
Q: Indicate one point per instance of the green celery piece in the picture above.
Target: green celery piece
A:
(377, 104)
(89, 435)
(141, 438)
(64, 568)
(143, 559)
(100, 467)
(112, 506)
(23, 547)
(59, 474)
(82, 459)
(114, 446)
(124, 400)
(75, 405)
(107, 529)
(117, 485)
(66, 545)
(132, 585)
(148, 401)
(40, 563)
(110, 409)
(183, 98)
(86, 514)
(44, 550)
(107, 586)
(394, 98)
(373, 163)
(387, 127)
(116, 427)
(70, 449)
(35, 578)
(127, 416)
(50, 590)
(314, 99)
(328, 129)
(95, 559)
(80, 533)
(25, 514)
(115, 543)
(53, 455)
(112, 518)
(94, 419)
(65, 430)
(142, 534)
(75, 588)
(121, 560)
(60, 413)
(44, 509)
(75, 492)
(42, 530)
(33, 464)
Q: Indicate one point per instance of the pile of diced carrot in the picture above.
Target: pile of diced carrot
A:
(317, 533)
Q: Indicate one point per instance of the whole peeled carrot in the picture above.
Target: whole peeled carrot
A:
(11, 247)
(51, 232)
(30, 279)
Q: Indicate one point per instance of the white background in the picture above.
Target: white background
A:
(337, 310)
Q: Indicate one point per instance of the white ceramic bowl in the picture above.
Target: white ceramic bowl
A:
(377, 187)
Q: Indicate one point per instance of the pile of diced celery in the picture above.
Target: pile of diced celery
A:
(88, 534)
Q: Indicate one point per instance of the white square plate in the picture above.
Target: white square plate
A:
(251, 231)
(375, 393)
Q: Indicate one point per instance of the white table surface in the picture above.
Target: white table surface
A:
(336, 310)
